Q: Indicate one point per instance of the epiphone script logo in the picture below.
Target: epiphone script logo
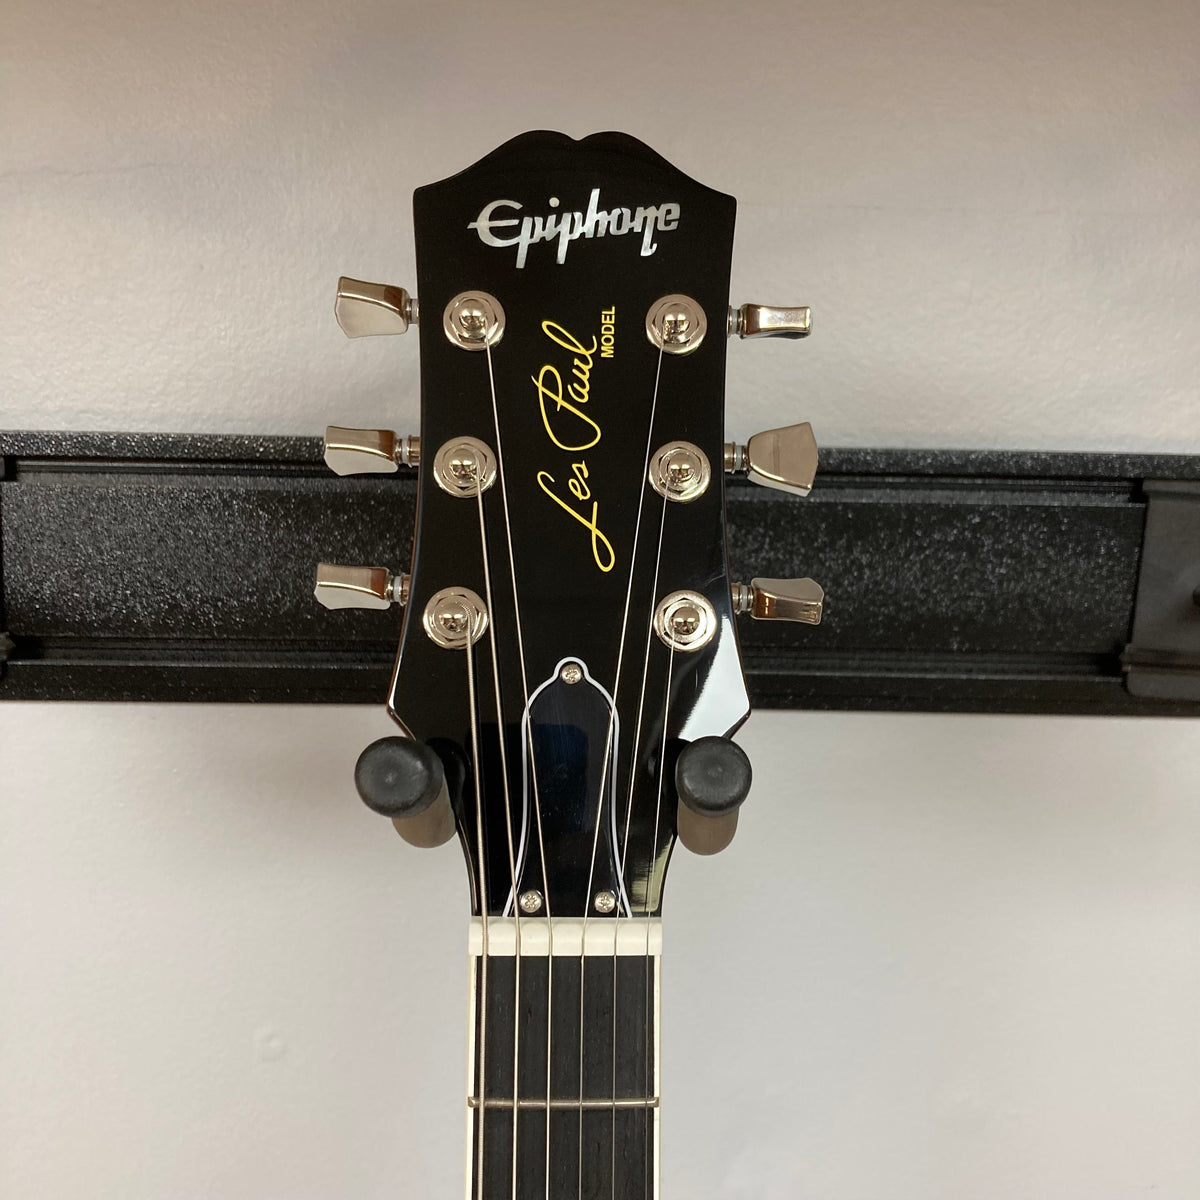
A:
(571, 429)
(566, 227)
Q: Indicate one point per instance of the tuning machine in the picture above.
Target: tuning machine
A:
(369, 451)
(359, 587)
(800, 600)
(367, 309)
(768, 320)
(784, 459)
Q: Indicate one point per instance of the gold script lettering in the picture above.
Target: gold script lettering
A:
(553, 391)
(599, 541)
(579, 489)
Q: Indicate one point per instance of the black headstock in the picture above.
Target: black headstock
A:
(569, 627)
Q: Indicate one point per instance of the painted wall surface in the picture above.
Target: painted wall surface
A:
(947, 958)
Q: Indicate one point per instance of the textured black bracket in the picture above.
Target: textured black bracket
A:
(173, 567)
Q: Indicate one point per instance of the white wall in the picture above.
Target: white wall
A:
(947, 958)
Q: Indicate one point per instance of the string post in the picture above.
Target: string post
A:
(679, 471)
(473, 320)
(676, 324)
(685, 620)
(464, 467)
(455, 618)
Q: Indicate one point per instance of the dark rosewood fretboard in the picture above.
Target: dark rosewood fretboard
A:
(602, 1077)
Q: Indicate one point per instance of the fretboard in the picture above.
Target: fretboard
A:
(579, 1029)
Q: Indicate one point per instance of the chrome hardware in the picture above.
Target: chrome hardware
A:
(676, 324)
(679, 471)
(780, 600)
(370, 309)
(368, 451)
(604, 902)
(455, 617)
(785, 458)
(359, 587)
(571, 673)
(464, 466)
(530, 901)
(765, 320)
(474, 320)
(685, 620)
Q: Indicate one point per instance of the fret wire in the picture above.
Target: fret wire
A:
(641, 1102)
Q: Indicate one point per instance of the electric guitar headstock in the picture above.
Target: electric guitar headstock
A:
(568, 676)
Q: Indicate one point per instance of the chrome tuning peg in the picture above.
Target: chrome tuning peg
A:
(370, 309)
(785, 458)
(780, 600)
(367, 451)
(766, 320)
(359, 587)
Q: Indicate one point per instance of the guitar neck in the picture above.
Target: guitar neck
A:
(564, 1065)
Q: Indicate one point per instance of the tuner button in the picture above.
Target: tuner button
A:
(370, 309)
(785, 459)
(766, 320)
(404, 780)
(368, 451)
(780, 600)
(359, 587)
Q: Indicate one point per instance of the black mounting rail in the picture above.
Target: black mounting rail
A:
(175, 567)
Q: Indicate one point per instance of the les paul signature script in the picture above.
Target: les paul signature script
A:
(570, 428)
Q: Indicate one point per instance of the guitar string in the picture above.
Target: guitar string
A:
(483, 905)
(651, 1029)
(537, 804)
(637, 737)
(608, 748)
(508, 824)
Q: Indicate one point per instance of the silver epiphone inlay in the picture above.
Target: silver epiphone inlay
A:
(567, 936)
(565, 227)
